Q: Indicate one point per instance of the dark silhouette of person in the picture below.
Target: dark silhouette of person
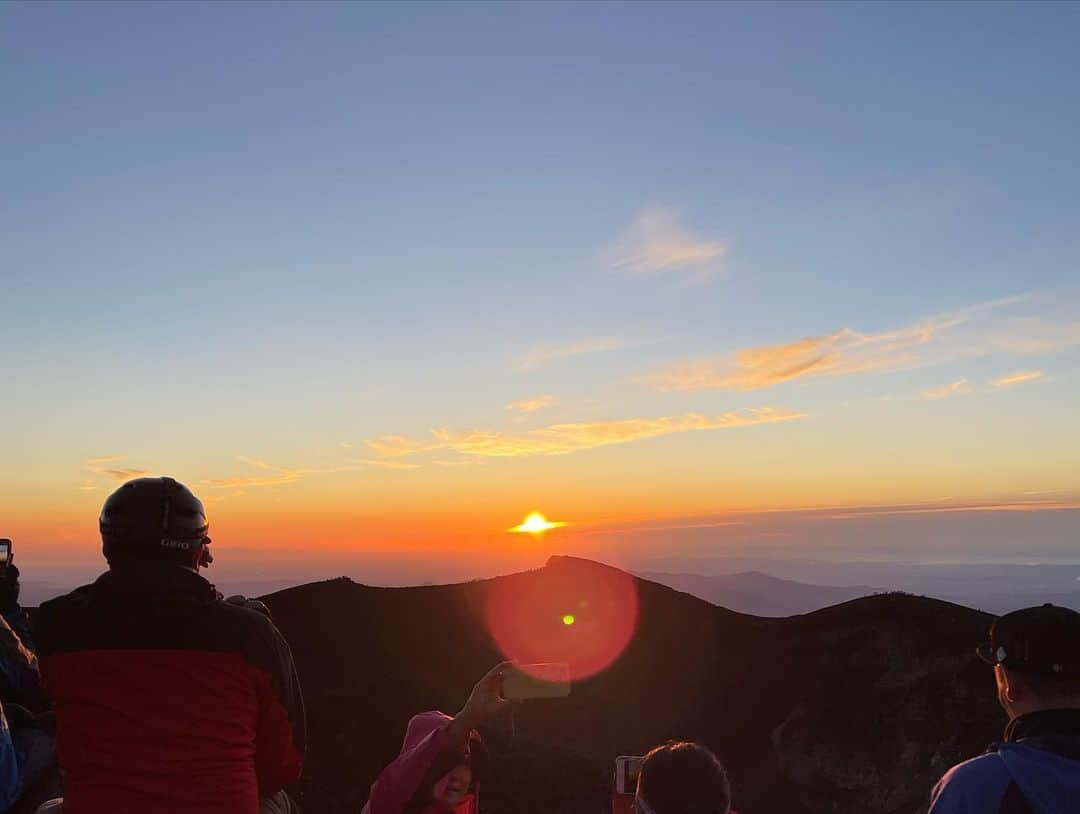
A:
(20, 680)
(1035, 769)
(168, 698)
(682, 778)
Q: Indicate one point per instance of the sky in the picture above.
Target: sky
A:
(378, 280)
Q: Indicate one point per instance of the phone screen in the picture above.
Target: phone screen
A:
(5, 552)
(627, 769)
(524, 681)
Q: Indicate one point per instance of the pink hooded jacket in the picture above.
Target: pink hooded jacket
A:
(426, 738)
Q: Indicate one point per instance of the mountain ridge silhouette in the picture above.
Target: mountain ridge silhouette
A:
(858, 707)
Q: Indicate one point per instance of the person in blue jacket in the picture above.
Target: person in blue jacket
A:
(1035, 653)
(10, 776)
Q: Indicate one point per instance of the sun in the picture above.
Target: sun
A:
(535, 523)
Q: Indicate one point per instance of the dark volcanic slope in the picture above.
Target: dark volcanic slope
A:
(855, 708)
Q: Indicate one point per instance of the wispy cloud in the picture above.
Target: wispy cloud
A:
(658, 241)
(531, 405)
(1020, 377)
(274, 476)
(974, 331)
(560, 439)
(394, 445)
(961, 387)
(288, 476)
(99, 466)
(841, 352)
(546, 353)
(104, 459)
(388, 464)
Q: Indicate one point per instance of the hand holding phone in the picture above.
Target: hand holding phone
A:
(524, 681)
(484, 701)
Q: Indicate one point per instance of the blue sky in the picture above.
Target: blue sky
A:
(277, 229)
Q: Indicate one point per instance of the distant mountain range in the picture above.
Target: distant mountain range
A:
(760, 594)
(783, 588)
(854, 709)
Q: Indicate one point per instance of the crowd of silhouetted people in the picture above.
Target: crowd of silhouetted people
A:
(147, 691)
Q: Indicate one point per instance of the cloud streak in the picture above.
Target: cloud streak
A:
(838, 353)
(388, 464)
(974, 331)
(1014, 379)
(561, 439)
(547, 352)
(531, 405)
(98, 466)
(960, 387)
(285, 477)
(274, 476)
(658, 241)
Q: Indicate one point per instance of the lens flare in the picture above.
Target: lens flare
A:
(529, 618)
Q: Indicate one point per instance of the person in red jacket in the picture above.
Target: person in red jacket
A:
(167, 698)
(439, 767)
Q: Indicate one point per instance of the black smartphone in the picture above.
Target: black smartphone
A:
(5, 552)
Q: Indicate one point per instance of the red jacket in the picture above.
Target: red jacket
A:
(168, 699)
(401, 784)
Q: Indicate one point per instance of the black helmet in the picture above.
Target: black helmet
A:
(155, 519)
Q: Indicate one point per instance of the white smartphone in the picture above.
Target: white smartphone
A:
(627, 769)
(524, 681)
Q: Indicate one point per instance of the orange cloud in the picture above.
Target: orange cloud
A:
(104, 459)
(559, 439)
(1013, 379)
(531, 405)
(288, 476)
(841, 352)
(973, 331)
(394, 445)
(277, 476)
(97, 466)
(960, 387)
(390, 464)
(125, 474)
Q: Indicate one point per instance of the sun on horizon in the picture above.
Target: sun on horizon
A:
(535, 523)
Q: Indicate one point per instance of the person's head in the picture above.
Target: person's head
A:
(452, 787)
(154, 520)
(1036, 657)
(456, 772)
(682, 778)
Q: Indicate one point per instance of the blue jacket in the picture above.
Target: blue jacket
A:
(1036, 770)
(10, 779)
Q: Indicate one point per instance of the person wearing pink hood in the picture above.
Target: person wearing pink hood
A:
(439, 767)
